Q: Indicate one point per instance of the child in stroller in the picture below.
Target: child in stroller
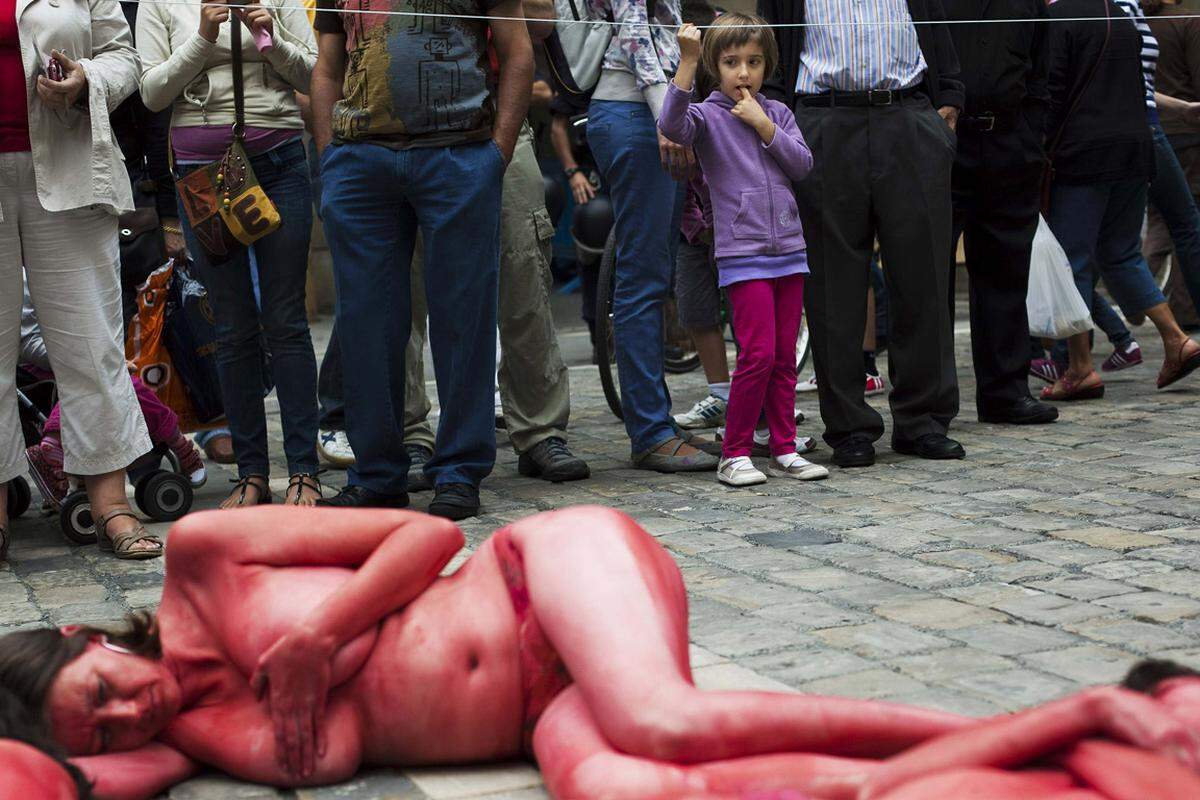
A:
(156, 495)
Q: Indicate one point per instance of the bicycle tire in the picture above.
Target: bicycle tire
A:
(803, 345)
(605, 346)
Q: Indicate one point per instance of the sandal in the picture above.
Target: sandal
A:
(122, 544)
(672, 461)
(1185, 367)
(256, 482)
(1072, 389)
(301, 481)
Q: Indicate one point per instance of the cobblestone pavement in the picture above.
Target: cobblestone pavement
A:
(1051, 559)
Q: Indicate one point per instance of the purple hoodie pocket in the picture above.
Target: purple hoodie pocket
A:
(787, 215)
(753, 219)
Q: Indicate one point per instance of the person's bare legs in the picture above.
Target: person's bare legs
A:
(1079, 374)
(710, 346)
(578, 762)
(613, 604)
(107, 494)
(869, 332)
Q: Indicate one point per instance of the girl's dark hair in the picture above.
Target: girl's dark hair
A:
(31, 660)
(734, 29)
(1145, 676)
(15, 724)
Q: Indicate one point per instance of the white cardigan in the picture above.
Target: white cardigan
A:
(183, 69)
(76, 160)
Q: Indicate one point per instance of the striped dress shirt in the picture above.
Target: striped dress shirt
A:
(856, 45)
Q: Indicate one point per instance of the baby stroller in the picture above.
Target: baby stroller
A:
(164, 495)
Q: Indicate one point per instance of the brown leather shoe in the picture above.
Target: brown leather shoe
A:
(220, 449)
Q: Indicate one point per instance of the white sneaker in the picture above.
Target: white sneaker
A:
(739, 471)
(708, 413)
(875, 385)
(334, 447)
(762, 440)
(793, 465)
(809, 385)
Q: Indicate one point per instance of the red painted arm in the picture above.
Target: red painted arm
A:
(1019, 739)
(1121, 772)
(136, 774)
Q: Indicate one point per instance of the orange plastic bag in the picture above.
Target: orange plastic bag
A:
(146, 351)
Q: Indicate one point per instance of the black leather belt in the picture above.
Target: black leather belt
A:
(873, 97)
(987, 122)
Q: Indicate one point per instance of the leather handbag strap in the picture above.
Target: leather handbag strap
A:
(239, 90)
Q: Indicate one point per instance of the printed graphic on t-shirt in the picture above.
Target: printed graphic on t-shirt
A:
(422, 75)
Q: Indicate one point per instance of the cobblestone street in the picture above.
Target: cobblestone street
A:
(1050, 559)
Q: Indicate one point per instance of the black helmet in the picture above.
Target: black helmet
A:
(556, 198)
(591, 225)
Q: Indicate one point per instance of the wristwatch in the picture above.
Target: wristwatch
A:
(571, 172)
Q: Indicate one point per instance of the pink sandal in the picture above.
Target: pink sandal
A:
(1072, 389)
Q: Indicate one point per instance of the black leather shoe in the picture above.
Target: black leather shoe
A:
(454, 501)
(362, 497)
(551, 461)
(418, 454)
(854, 453)
(1025, 411)
(932, 445)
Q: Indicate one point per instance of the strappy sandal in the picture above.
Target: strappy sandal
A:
(122, 544)
(301, 481)
(1073, 390)
(1185, 367)
(258, 483)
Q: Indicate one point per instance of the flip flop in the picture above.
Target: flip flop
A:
(1071, 390)
(1186, 367)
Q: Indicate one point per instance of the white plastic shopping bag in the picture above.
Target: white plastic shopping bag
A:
(1055, 308)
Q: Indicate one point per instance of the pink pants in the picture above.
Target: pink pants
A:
(161, 421)
(766, 318)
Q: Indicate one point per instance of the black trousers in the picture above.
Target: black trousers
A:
(996, 213)
(880, 172)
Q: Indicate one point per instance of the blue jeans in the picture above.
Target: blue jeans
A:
(624, 141)
(281, 325)
(1099, 226)
(374, 201)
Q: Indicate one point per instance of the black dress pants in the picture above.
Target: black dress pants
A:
(996, 213)
(880, 172)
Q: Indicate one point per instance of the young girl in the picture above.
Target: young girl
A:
(751, 152)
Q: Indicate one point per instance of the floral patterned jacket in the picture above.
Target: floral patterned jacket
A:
(650, 53)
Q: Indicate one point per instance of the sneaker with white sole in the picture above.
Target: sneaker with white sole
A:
(739, 471)
(335, 450)
(1123, 358)
(808, 385)
(707, 413)
(875, 385)
(762, 442)
(793, 465)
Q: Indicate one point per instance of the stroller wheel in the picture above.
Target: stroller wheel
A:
(163, 496)
(19, 497)
(75, 519)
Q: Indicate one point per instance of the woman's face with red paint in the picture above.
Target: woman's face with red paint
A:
(109, 700)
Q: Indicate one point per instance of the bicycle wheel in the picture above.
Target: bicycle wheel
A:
(606, 350)
(803, 345)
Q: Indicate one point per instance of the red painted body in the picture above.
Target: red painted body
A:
(364, 655)
(27, 773)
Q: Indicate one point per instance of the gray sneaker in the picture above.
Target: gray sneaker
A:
(672, 461)
(551, 460)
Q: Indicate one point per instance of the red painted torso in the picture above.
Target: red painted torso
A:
(27, 773)
(438, 681)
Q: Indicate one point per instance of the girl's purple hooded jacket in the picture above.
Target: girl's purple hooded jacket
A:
(753, 205)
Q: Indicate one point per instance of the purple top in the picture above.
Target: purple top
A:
(200, 144)
(750, 183)
(749, 268)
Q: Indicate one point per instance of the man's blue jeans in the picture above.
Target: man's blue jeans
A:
(276, 319)
(624, 141)
(1099, 226)
(373, 202)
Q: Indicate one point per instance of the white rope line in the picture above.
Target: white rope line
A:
(616, 23)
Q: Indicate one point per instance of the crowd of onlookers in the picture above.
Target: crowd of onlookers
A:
(757, 167)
